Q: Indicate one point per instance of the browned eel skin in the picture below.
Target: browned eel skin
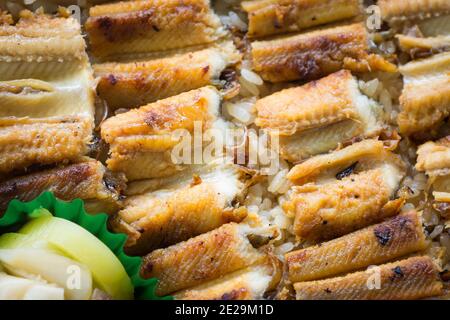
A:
(43, 67)
(412, 9)
(414, 278)
(425, 100)
(424, 23)
(247, 284)
(367, 154)
(380, 243)
(433, 157)
(345, 190)
(133, 84)
(24, 142)
(37, 36)
(151, 25)
(201, 259)
(318, 103)
(268, 17)
(329, 210)
(142, 139)
(201, 203)
(86, 180)
(312, 55)
(318, 116)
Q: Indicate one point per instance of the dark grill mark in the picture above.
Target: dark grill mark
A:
(346, 172)
(112, 79)
(148, 268)
(383, 234)
(397, 273)
(277, 23)
(105, 23)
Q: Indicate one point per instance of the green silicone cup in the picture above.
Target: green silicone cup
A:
(20, 212)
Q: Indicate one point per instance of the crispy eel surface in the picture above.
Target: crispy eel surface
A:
(133, 84)
(141, 140)
(46, 92)
(425, 100)
(434, 156)
(322, 102)
(201, 259)
(412, 9)
(318, 116)
(269, 17)
(312, 55)
(175, 213)
(85, 180)
(332, 209)
(424, 25)
(151, 26)
(40, 37)
(410, 279)
(376, 244)
(24, 142)
(247, 284)
(360, 156)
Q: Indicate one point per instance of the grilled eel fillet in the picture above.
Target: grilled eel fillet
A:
(142, 139)
(204, 258)
(329, 210)
(133, 84)
(151, 26)
(44, 47)
(425, 100)
(269, 17)
(413, 278)
(247, 284)
(46, 92)
(86, 180)
(434, 159)
(377, 244)
(357, 157)
(181, 211)
(318, 116)
(24, 142)
(343, 191)
(315, 54)
(37, 37)
(402, 10)
(425, 24)
(43, 63)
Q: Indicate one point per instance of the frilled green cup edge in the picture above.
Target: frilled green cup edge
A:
(19, 212)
